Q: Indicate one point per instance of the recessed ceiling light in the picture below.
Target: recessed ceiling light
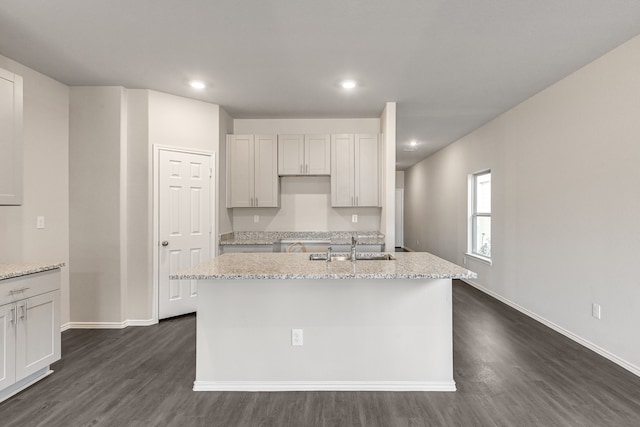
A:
(412, 146)
(197, 84)
(348, 84)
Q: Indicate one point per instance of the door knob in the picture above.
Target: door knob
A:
(165, 243)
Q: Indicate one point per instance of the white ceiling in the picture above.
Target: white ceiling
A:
(451, 65)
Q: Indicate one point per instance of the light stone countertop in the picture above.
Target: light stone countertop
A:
(252, 266)
(11, 270)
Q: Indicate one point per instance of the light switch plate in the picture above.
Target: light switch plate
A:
(354, 218)
(595, 310)
(40, 222)
(256, 218)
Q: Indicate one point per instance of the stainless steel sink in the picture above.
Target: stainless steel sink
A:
(374, 256)
(363, 256)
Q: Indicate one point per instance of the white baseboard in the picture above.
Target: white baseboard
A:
(139, 322)
(324, 386)
(591, 346)
(107, 325)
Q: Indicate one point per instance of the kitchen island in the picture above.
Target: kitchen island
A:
(366, 325)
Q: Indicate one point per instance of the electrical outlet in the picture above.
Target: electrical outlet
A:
(256, 218)
(297, 337)
(595, 310)
(40, 222)
(354, 218)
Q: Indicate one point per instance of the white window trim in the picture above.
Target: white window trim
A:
(471, 203)
(479, 258)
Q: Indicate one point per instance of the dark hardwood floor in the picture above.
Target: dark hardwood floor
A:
(509, 370)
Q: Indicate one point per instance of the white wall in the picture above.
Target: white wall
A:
(46, 179)
(284, 126)
(399, 179)
(388, 178)
(95, 145)
(139, 207)
(225, 217)
(113, 131)
(565, 204)
(305, 202)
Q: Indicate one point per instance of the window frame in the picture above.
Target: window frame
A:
(474, 215)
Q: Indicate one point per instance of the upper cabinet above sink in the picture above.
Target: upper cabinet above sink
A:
(355, 170)
(10, 138)
(304, 155)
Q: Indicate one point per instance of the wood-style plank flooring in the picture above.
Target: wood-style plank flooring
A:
(509, 370)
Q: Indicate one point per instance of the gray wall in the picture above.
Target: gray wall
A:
(46, 179)
(565, 204)
(113, 131)
(95, 167)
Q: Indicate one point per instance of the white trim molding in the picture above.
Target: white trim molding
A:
(324, 386)
(107, 325)
(586, 343)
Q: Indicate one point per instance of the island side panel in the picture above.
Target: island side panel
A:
(358, 334)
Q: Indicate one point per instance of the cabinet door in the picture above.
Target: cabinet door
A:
(7, 345)
(37, 333)
(240, 171)
(317, 149)
(10, 138)
(366, 173)
(342, 165)
(266, 171)
(290, 155)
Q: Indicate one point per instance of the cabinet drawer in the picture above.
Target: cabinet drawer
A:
(19, 288)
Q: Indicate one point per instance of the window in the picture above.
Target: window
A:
(480, 239)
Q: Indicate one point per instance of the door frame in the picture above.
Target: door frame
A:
(213, 225)
(399, 191)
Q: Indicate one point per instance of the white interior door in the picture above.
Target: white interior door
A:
(184, 221)
(399, 218)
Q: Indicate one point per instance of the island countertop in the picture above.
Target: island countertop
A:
(251, 266)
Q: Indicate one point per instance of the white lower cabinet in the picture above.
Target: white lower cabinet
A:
(30, 336)
(7, 346)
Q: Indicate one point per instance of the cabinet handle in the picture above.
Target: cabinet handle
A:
(357, 204)
(352, 201)
(301, 168)
(23, 311)
(256, 202)
(307, 168)
(17, 291)
(13, 318)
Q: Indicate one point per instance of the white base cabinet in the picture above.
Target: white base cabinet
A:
(30, 336)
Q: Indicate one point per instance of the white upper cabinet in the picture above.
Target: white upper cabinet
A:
(252, 171)
(304, 155)
(10, 138)
(290, 155)
(355, 170)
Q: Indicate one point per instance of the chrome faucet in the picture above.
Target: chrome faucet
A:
(354, 241)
